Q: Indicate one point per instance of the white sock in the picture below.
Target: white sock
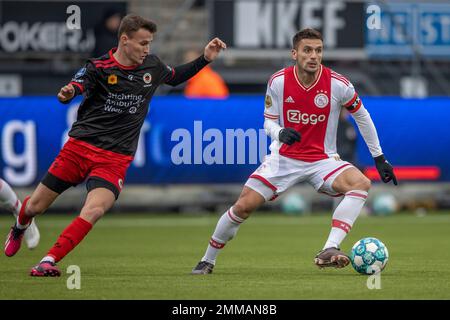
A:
(226, 229)
(8, 198)
(18, 225)
(344, 216)
(48, 258)
(21, 226)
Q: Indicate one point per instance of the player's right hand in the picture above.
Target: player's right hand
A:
(66, 93)
(289, 136)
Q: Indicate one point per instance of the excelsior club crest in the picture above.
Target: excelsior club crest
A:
(147, 78)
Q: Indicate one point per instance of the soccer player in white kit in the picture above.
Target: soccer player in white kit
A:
(302, 108)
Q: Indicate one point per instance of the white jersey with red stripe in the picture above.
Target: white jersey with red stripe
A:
(314, 112)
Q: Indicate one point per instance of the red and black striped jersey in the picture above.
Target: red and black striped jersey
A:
(116, 100)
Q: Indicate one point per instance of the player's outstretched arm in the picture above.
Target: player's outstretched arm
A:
(369, 133)
(66, 93)
(186, 71)
(353, 104)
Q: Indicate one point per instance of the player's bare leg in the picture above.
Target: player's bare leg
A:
(39, 201)
(355, 186)
(227, 227)
(98, 202)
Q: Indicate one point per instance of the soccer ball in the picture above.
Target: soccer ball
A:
(294, 204)
(369, 256)
(384, 204)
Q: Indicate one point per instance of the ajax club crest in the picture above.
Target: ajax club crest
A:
(321, 100)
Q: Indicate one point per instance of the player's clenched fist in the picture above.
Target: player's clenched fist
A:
(66, 93)
(289, 136)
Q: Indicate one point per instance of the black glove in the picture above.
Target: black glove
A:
(385, 170)
(289, 136)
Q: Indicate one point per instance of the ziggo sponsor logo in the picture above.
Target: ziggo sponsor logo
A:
(296, 116)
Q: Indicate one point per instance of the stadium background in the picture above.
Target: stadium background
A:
(402, 72)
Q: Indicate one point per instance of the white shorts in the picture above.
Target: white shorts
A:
(278, 173)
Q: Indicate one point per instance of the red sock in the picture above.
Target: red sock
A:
(23, 219)
(70, 238)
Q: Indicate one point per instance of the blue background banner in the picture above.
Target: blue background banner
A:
(212, 141)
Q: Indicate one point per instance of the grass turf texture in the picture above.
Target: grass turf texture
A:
(150, 257)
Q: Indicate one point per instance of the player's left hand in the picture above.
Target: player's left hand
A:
(213, 49)
(385, 170)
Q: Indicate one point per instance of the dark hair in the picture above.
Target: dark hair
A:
(132, 23)
(307, 33)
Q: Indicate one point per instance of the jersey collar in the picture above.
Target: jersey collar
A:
(121, 66)
(300, 84)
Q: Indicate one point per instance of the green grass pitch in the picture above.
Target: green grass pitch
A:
(130, 256)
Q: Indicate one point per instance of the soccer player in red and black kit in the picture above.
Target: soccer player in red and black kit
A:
(117, 89)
